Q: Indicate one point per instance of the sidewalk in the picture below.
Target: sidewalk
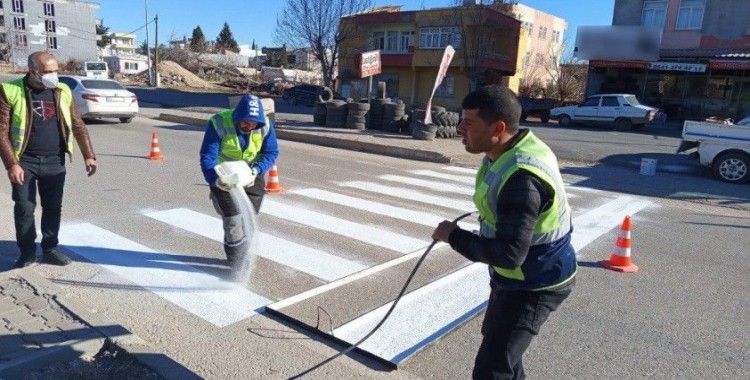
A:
(300, 128)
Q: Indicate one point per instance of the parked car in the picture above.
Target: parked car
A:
(539, 107)
(622, 110)
(101, 98)
(724, 147)
(308, 94)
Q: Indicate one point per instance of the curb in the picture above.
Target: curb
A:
(332, 142)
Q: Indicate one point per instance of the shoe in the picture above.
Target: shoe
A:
(24, 261)
(55, 257)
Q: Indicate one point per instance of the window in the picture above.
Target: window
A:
(17, 6)
(407, 39)
(21, 41)
(539, 58)
(19, 23)
(446, 87)
(52, 42)
(3, 38)
(543, 32)
(391, 41)
(654, 13)
(531, 29)
(49, 9)
(49, 26)
(377, 42)
(690, 15)
(131, 65)
(439, 37)
(591, 102)
(610, 101)
(2, 19)
(94, 84)
(527, 58)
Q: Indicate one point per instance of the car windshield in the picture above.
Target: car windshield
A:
(96, 66)
(632, 100)
(102, 85)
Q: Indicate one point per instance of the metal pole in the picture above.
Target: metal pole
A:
(148, 50)
(369, 89)
(156, 52)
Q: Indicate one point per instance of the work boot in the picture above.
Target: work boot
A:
(24, 261)
(55, 257)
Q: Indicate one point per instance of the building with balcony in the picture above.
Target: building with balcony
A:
(67, 29)
(411, 45)
(704, 58)
(121, 56)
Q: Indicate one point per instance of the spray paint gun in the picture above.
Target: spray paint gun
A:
(235, 174)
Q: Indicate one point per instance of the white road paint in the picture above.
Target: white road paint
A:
(299, 257)
(368, 234)
(428, 313)
(215, 300)
(456, 203)
(459, 169)
(468, 180)
(441, 187)
(418, 217)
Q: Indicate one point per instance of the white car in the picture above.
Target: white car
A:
(101, 98)
(622, 110)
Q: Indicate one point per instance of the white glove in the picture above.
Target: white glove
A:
(223, 185)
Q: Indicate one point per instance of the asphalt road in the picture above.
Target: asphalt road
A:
(142, 236)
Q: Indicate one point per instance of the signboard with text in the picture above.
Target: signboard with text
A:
(677, 66)
(619, 42)
(370, 64)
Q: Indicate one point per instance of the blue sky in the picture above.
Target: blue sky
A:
(256, 19)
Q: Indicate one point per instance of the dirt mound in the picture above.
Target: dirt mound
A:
(173, 75)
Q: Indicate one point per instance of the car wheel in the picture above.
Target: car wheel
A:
(126, 120)
(638, 127)
(623, 123)
(564, 121)
(732, 167)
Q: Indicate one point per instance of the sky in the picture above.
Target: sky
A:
(256, 19)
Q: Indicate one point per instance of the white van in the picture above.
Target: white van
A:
(98, 70)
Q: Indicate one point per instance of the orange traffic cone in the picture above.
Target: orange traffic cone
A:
(273, 185)
(619, 260)
(155, 151)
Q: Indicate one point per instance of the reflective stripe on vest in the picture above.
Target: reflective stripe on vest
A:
(533, 155)
(231, 149)
(15, 94)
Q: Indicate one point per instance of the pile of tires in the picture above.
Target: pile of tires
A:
(393, 113)
(447, 124)
(357, 115)
(336, 114)
(377, 111)
(319, 117)
(418, 129)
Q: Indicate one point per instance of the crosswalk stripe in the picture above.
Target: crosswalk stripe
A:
(459, 169)
(419, 217)
(217, 301)
(412, 195)
(368, 234)
(452, 177)
(432, 185)
(426, 314)
(309, 260)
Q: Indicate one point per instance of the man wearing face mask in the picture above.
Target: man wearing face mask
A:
(241, 134)
(38, 121)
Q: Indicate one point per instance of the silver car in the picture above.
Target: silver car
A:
(622, 110)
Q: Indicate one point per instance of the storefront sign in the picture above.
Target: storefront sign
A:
(677, 66)
(370, 64)
(729, 65)
(619, 64)
(617, 43)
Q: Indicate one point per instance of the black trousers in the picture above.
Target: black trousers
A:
(45, 174)
(512, 320)
(235, 238)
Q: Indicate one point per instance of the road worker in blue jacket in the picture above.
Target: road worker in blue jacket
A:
(525, 230)
(240, 134)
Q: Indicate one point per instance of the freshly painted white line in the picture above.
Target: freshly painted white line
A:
(430, 312)
(459, 169)
(412, 195)
(368, 234)
(418, 217)
(217, 301)
(432, 185)
(304, 259)
(598, 221)
(468, 180)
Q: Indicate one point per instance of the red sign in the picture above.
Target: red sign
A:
(716, 64)
(370, 64)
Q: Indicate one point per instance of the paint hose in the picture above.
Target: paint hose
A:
(388, 314)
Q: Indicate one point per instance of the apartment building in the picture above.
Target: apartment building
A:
(65, 28)
(704, 58)
(121, 56)
(411, 45)
(544, 42)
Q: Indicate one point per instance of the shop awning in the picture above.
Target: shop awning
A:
(729, 64)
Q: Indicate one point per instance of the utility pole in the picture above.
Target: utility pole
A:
(156, 52)
(148, 50)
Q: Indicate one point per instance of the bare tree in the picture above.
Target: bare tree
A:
(566, 75)
(315, 23)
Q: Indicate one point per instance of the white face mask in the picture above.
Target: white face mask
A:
(49, 80)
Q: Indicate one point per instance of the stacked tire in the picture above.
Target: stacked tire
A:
(319, 117)
(336, 114)
(377, 111)
(393, 113)
(357, 115)
(447, 124)
(419, 130)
